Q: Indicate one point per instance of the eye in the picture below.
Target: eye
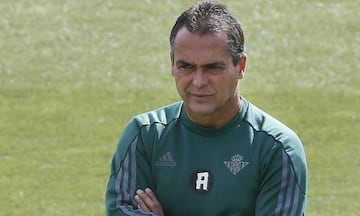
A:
(215, 68)
(184, 66)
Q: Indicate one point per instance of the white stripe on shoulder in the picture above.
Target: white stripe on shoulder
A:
(125, 182)
(289, 194)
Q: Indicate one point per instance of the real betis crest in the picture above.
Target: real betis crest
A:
(236, 164)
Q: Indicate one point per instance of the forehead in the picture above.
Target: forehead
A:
(196, 47)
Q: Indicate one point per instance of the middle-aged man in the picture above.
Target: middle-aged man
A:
(213, 153)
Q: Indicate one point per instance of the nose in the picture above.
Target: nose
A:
(199, 78)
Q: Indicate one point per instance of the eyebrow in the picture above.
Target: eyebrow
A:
(208, 65)
(214, 64)
(182, 62)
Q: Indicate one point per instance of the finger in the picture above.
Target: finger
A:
(140, 197)
(148, 202)
(155, 205)
(151, 194)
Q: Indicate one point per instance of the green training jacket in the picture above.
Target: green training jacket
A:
(254, 165)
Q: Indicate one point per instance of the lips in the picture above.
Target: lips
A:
(200, 95)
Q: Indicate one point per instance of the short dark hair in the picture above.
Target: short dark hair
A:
(211, 17)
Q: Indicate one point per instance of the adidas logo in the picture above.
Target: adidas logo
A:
(166, 160)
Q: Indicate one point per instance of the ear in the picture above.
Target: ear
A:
(172, 57)
(173, 70)
(172, 64)
(242, 64)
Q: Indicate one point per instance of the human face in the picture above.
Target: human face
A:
(206, 77)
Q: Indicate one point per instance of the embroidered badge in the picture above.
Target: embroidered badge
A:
(236, 164)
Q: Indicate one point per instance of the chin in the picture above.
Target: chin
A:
(201, 109)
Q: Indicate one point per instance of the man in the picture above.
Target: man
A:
(213, 153)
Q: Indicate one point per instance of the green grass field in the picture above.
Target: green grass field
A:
(72, 73)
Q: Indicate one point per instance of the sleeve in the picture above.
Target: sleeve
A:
(130, 170)
(284, 181)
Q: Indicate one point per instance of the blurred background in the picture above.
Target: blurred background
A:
(72, 73)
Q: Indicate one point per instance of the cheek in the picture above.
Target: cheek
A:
(227, 86)
(182, 81)
(180, 84)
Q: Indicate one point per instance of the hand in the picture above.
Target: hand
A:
(148, 202)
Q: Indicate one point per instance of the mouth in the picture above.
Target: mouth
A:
(200, 95)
